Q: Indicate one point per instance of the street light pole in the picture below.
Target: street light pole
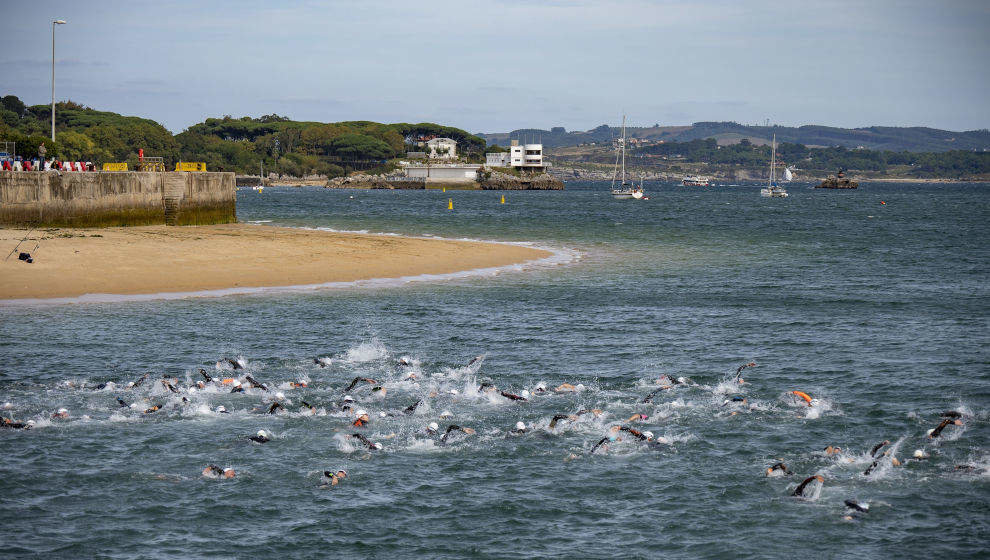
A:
(54, 23)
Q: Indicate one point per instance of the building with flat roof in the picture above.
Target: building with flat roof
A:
(442, 148)
(528, 157)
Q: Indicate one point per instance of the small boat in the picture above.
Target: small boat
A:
(773, 190)
(624, 190)
(696, 181)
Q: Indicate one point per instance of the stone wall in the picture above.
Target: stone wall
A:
(103, 199)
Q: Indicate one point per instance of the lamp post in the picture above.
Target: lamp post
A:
(54, 23)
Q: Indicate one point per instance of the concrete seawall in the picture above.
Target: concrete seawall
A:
(101, 199)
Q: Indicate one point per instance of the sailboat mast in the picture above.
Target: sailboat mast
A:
(623, 149)
(773, 159)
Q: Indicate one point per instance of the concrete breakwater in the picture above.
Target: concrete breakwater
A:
(116, 198)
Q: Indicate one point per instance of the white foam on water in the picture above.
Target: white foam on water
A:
(366, 352)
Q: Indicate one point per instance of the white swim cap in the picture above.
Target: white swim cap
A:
(453, 391)
(682, 379)
(30, 422)
(815, 402)
(63, 411)
(541, 386)
(134, 405)
(649, 435)
(237, 383)
(446, 414)
(434, 426)
(7, 406)
(378, 446)
(579, 387)
(930, 431)
(261, 433)
(520, 425)
(226, 469)
(130, 383)
(220, 408)
(348, 398)
(525, 394)
(361, 412)
(280, 395)
(919, 454)
(382, 414)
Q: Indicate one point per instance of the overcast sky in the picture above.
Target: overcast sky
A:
(495, 66)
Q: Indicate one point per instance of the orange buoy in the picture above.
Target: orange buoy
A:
(804, 396)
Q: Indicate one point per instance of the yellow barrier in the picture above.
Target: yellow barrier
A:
(115, 166)
(190, 166)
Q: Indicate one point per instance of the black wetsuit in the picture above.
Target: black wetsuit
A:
(319, 362)
(255, 383)
(122, 404)
(140, 380)
(238, 389)
(941, 426)
(370, 444)
(4, 423)
(635, 433)
(275, 407)
(557, 418)
(259, 439)
(233, 363)
(356, 381)
(856, 506)
(799, 491)
(780, 467)
(951, 414)
(511, 396)
(215, 470)
(206, 376)
(877, 447)
(411, 408)
(600, 443)
(450, 428)
(169, 386)
(474, 359)
(649, 398)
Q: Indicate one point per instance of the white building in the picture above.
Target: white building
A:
(442, 148)
(527, 156)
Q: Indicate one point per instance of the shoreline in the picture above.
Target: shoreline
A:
(162, 262)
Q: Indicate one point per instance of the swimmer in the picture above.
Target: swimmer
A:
(155, 408)
(736, 399)
(122, 404)
(452, 428)
(649, 398)
(558, 417)
(519, 430)
(7, 423)
(876, 462)
(319, 362)
(807, 398)
(205, 375)
(168, 385)
(642, 436)
(739, 379)
(334, 478)
(831, 450)
(358, 380)
(276, 407)
(411, 408)
(476, 359)
(61, 413)
(378, 391)
(637, 418)
(260, 437)
(778, 469)
(410, 376)
(951, 414)
(238, 387)
(568, 388)
(213, 471)
(446, 414)
(877, 447)
(919, 455)
(222, 410)
(298, 384)
(233, 363)
(362, 418)
(937, 431)
(370, 444)
(404, 361)
(514, 396)
(603, 443)
(255, 383)
(858, 506)
(540, 388)
(799, 491)
(306, 405)
(432, 429)
(133, 384)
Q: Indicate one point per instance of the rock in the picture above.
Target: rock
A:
(497, 181)
(840, 182)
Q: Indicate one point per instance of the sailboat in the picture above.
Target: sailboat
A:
(624, 190)
(773, 189)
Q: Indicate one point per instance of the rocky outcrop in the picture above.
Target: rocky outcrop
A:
(497, 181)
(837, 182)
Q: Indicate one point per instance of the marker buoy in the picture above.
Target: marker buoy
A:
(450, 204)
(882, 203)
(503, 200)
(444, 189)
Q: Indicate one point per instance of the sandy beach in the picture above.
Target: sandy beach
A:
(159, 259)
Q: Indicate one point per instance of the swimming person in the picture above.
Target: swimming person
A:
(122, 404)
(7, 423)
(238, 387)
(519, 430)
(255, 383)
(855, 507)
(432, 428)
(334, 478)
(168, 385)
(799, 491)
(155, 408)
(370, 444)
(362, 418)
(276, 407)
(557, 417)
(61, 413)
(778, 469)
(233, 363)
(807, 398)
(514, 396)
(832, 450)
(475, 359)
(649, 398)
(877, 447)
(133, 384)
(739, 379)
(358, 380)
(411, 408)
(937, 431)
(454, 427)
(260, 437)
(205, 375)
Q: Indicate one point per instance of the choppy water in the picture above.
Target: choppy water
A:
(880, 312)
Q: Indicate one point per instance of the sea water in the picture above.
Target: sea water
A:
(873, 301)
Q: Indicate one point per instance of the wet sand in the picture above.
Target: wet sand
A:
(161, 259)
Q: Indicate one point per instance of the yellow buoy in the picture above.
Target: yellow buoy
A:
(444, 189)
(450, 204)
(503, 200)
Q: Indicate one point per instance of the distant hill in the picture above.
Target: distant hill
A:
(910, 139)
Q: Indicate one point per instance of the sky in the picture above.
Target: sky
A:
(496, 66)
